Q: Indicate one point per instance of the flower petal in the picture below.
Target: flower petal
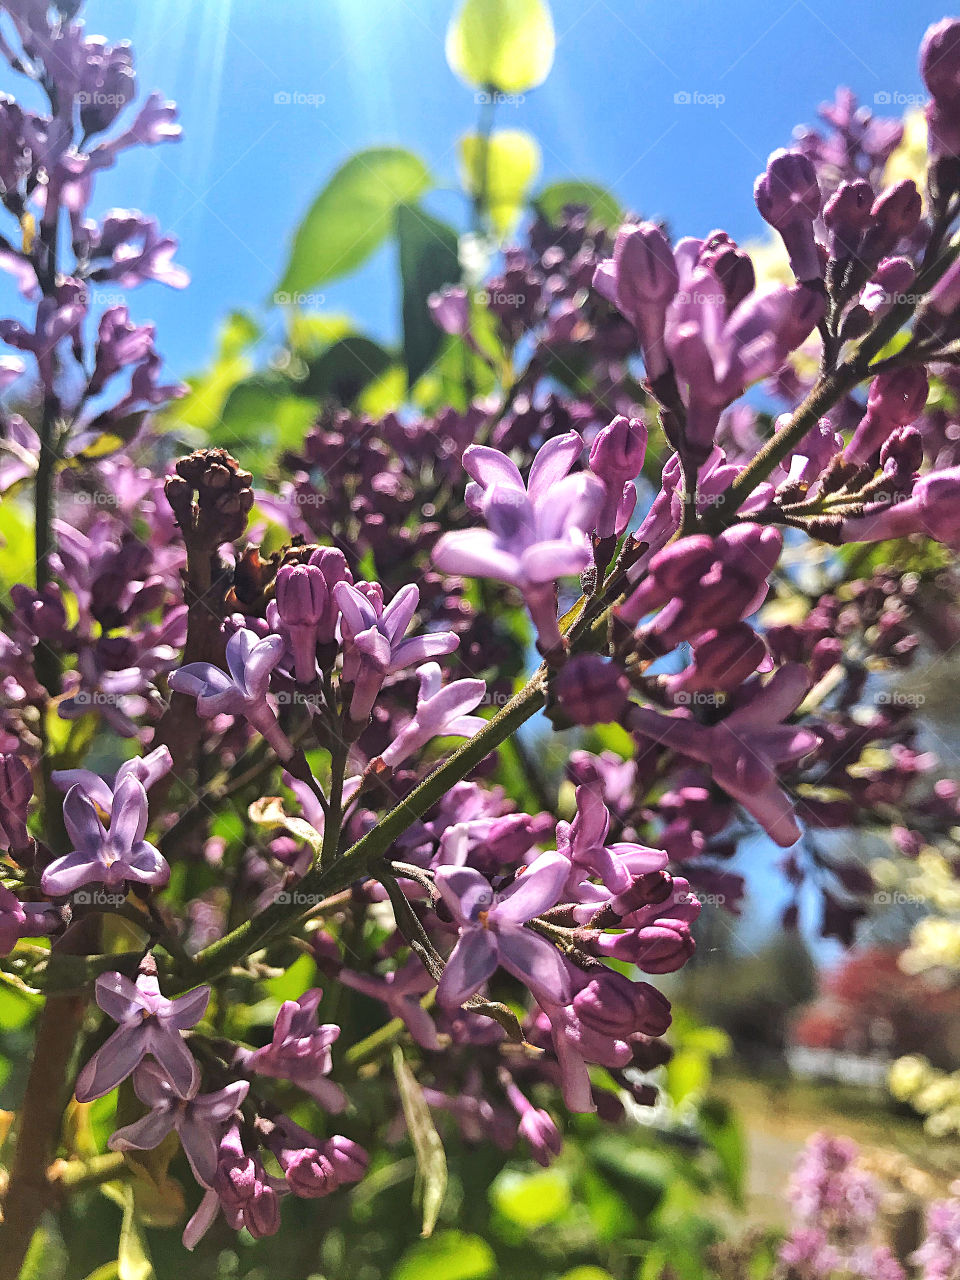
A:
(112, 1062)
(538, 889)
(471, 963)
(537, 963)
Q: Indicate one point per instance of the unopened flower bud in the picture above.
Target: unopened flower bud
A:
(591, 689)
(788, 197)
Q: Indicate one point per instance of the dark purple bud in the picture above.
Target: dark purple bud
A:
(847, 215)
(896, 214)
(612, 1005)
(896, 399)
(591, 689)
(940, 60)
(788, 197)
(301, 594)
(731, 266)
(617, 453)
(16, 791)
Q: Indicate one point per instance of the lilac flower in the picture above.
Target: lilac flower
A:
(247, 1194)
(716, 356)
(492, 933)
(442, 711)
(616, 458)
(576, 1045)
(640, 280)
(24, 920)
(895, 400)
(150, 1025)
(536, 1125)
(300, 1051)
(939, 1255)
(788, 197)
(536, 533)
(199, 1119)
(373, 640)
(146, 769)
(450, 310)
(583, 842)
(242, 692)
(932, 509)
(314, 1168)
(744, 750)
(400, 990)
(302, 602)
(110, 857)
(120, 343)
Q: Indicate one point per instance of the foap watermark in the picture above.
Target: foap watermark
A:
(499, 298)
(700, 698)
(900, 698)
(284, 299)
(298, 898)
(486, 98)
(708, 899)
(98, 897)
(296, 98)
(93, 297)
(97, 499)
(896, 898)
(297, 698)
(695, 98)
(701, 299)
(97, 698)
(894, 98)
(97, 98)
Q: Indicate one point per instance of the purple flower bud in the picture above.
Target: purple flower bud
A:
(788, 197)
(450, 310)
(896, 214)
(16, 792)
(731, 266)
(538, 1128)
(722, 659)
(640, 280)
(940, 60)
(591, 689)
(944, 297)
(847, 215)
(896, 399)
(617, 453)
(612, 1005)
(302, 604)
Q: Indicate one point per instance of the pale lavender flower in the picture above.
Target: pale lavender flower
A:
(242, 692)
(744, 750)
(939, 1255)
(442, 711)
(300, 1051)
(199, 1119)
(106, 856)
(150, 1026)
(373, 640)
(584, 842)
(492, 931)
(146, 769)
(537, 533)
(400, 990)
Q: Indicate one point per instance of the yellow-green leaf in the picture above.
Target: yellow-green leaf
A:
(427, 1146)
(499, 171)
(350, 217)
(133, 1257)
(505, 45)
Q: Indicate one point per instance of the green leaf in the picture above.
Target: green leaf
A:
(346, 369)
(498, 172)
(506, 45)
(452, 1255)
(428, 260)
(427, 1146)
(133, 1257)
(201, 408)
(109, 1271)
(292, 984)
(265, 409)
(723, 1131)
(531, 1200)
(350, 217)
(604, 207)
(587, 1273)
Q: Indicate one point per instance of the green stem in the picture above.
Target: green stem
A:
(357, 861)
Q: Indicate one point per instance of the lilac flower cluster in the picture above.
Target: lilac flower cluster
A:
(328, 668)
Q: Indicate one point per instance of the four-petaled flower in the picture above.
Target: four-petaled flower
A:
(743, 750)
(242, 689)
(373, 640)
(492, 931)
(150, 1025)
(300, 1051)
(110, 857)
(536, 534)
(199, 1119)
(441, 711)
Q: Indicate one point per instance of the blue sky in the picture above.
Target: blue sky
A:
(247, 167)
